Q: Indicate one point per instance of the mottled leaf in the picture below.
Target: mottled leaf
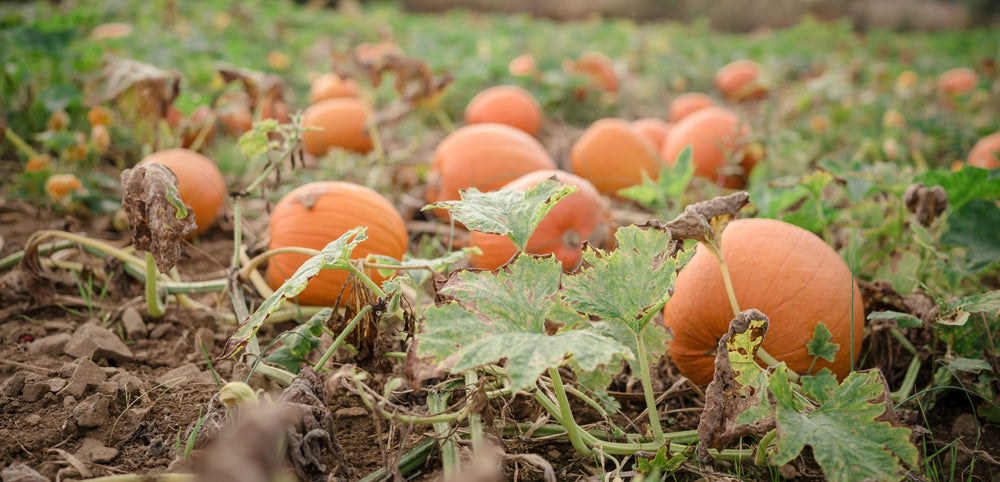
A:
(903, 320)
(847, 441)
(255, 141)
(820, 386)
(511, 213)
(420, 275)
(706, 220)
(336, 255)
(976, 226)
(513, 313)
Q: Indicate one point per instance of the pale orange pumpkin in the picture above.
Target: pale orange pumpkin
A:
(957, 81)
(740, 80)
(341, 123)
(612, 155)
(506, 104)
(789, 274)
(718, 138)
(331, 86)
(688, 103)
(199, 183)
(654, 129)
(581, 216)
(986, 152)
(313, 215)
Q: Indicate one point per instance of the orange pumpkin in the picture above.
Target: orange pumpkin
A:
(740, 80)
(718, 138)
(688, 103)
(597, 67)
(332, 86)
(986, 152)
(957, 81)
(652, 128)
(581, 216)
(523, 65)
(313, 215)
(343, 123)
(199, 183)
(788, 273)
(612, 155)
(484, 156)
(506, 104)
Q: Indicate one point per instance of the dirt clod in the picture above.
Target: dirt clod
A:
(92, 411)
(92, 341)
(19, 472)
(135, 328)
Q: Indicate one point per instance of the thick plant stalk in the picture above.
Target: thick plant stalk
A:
(566, 415)
(437, 402)
(647, 389)
(475, 420)
(155, 306)
(340, 338)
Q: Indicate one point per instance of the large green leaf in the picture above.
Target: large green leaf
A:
(847, 441)
(513, 313)
(336, 255)
(976, 226)
(512, 213)
(968, 184)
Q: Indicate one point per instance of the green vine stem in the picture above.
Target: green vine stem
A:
(340, 338)
(909, 380)
(362, 391)
(566, 414)
(154, 304)
(408, 462)
(647, 388)
(19, 143)
(475, 420)
(437, 402)
(760, 455)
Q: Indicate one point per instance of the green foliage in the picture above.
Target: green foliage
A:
(662, 195)
(299, 341)
(820, 345)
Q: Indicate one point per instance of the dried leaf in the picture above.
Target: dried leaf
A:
(704, 221)
(259, 86)
(926, 203)
(154, 88)
(158, 218)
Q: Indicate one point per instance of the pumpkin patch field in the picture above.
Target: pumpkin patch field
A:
(263, 241)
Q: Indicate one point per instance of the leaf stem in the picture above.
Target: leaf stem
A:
(155, 306)
(19, 143)
(647, 389)
(566, 415)
(760, 456)
(340, 338)
(437, 402)
(475, 420)
(909, 380)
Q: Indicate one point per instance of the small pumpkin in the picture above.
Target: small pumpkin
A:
(581, 216)
(199, 183)
(506, 104)
(612, 155)
(342, 123)
(652, 128)
(740, 80)
(331, 86)
(688, 103)
(598, 68)
(986, 152)
(523, 65)
(957, 81)
(719, 139)
(484, 156)
(785, 271)
(313, 215)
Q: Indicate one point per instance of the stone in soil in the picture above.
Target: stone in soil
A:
(92, 341)
(182, 374)
(135, 328)
(52, 345)
(19, 472)
(92, 411)
(86, 374)
(92, 450)
(12, 386)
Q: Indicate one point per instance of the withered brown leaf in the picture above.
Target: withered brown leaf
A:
(704, 221)
(157, 216)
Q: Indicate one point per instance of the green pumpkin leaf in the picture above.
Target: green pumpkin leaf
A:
(255, 142)
(976, 226)
(419, 276)
(336, 255)
(903, 320)
(513, 313)
(820, 345)
(847, 441)
(507, 212)
(820, 386)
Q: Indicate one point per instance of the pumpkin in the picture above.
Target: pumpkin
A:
(523, 65)
(506, 104)
(199, 183)
(740, 80)
(313, 215)
(332, 86)
(579, 217)
(986, 152)
(342, 123)
(786, 272)
(652, 128)
(597, 67)
(612, 155)
(957, 81)
(688, 103)
(61, 185)
(719, 139)
(484, 156)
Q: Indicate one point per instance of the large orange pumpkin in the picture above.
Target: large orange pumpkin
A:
(740, 79)
(484, 156)
(986, 152)
(597, 67)
(579, 217)
(957, 81)
(688, 103)
(342, 123)
(718, 138)
(199, 183)
(653, 128)
(313, 215)
(788, 273)
(612, 155)
(506, 104)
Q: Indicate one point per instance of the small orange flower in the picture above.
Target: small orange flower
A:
(61, 185)
(75, 153)
(58, 121)
(100, 116)
(100, 138)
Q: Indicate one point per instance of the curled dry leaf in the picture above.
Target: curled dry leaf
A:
(704, 221)
(151, 88)
(735, 387)
(926, 203)
(158, 218)
(259, 86)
